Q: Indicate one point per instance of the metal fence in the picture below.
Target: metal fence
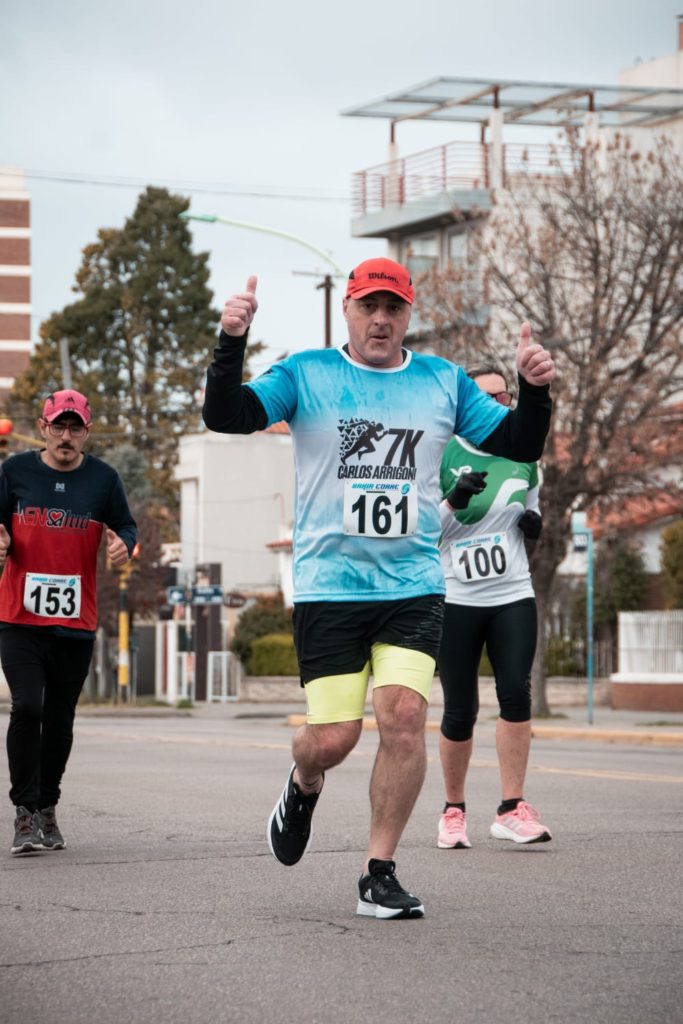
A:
(651, 643)
(222, 677)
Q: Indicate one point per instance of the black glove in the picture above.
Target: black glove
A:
(531, 524)
(468, 485)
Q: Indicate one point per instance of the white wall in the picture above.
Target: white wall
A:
(662, 73)
(231, 505)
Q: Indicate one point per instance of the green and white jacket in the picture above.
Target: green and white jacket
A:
(482, 549)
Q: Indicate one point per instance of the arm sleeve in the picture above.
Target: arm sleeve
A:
(533, 494)
(119, 516)
(521, 435)
(229, 406)
(5, 501)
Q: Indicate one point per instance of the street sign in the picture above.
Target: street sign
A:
(207, 595)
(175, 595)
(234, 600)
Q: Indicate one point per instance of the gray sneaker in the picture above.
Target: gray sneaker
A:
(27, 836)
(46, 823)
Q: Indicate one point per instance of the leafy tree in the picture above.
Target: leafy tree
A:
(671, 547)
(131, 466)
(592, 256)
(266, 616)
(139, 335)
(620, 580)
(146, 581)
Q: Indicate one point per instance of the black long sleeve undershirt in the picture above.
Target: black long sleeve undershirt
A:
(521, 435)
(230, 408)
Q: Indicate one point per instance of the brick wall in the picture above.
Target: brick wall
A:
(15, 278)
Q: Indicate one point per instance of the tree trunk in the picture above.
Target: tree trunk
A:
(539, 697)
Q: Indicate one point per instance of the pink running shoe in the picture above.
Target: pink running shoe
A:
(452, 834)
(521, 825)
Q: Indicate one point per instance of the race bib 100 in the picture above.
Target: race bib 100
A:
(380, 509)
(480, 558)
(57, 597)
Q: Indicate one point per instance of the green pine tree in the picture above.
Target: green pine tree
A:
(140, 336)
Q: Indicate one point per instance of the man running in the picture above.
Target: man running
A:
(368, 585)
(55, 505)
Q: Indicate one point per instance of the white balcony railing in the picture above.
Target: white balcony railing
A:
(454, 165)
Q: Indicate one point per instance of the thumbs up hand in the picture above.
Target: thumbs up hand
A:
(5, 541)
(534, 363)
(117, 552)
(239, 310)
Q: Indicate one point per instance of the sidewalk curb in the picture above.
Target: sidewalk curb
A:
(587, 734)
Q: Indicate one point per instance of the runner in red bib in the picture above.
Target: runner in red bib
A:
(55, 505)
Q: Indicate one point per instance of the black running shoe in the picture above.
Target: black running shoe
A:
(383, 896)
(46, 822)
(26, 834)
(289, 826)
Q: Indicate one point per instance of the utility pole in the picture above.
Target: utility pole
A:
(123, 670)
(123, 688)
(65, 361)
(327, 284)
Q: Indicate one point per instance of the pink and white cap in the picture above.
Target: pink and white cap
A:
(61, 402)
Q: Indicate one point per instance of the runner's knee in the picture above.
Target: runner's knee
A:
(515, 706)
(457, 729)
(27, 707)
(400, 714)
(332, 742)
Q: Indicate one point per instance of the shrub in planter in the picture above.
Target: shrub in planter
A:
(273, 655)
(560, 658)
(265, 616)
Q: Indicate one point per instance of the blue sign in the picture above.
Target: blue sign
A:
(207, 595)
(175, 595)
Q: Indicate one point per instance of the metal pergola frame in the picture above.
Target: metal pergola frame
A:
(549, 104)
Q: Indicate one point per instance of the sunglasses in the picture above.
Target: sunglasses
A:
(504, 397)
(59, 429)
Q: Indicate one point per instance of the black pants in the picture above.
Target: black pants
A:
(509, 632)
(45, 674)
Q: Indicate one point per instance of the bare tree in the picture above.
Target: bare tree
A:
(592, 257)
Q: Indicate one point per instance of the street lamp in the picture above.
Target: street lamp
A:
(583, 541)
(209, 218)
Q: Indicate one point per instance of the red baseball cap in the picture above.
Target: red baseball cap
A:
(61, 402)
(380, 275)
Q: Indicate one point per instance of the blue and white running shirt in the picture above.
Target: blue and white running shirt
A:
(367, 449)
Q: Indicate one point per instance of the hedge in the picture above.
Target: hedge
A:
(273, 655)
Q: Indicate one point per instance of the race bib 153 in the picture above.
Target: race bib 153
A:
(56, 597)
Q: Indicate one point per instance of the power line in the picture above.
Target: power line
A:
(305, 194)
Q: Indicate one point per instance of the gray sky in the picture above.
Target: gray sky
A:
(248, 97)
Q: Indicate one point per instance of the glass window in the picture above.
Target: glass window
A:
(457, 247)
(420, 254)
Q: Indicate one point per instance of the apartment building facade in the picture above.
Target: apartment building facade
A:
(426, 204)
(15, 278)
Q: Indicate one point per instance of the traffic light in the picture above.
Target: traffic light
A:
(6, 428)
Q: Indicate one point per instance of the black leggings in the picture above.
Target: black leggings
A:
(509, 632)
(45, 674)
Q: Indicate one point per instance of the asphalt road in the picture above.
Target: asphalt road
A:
(167, 905)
